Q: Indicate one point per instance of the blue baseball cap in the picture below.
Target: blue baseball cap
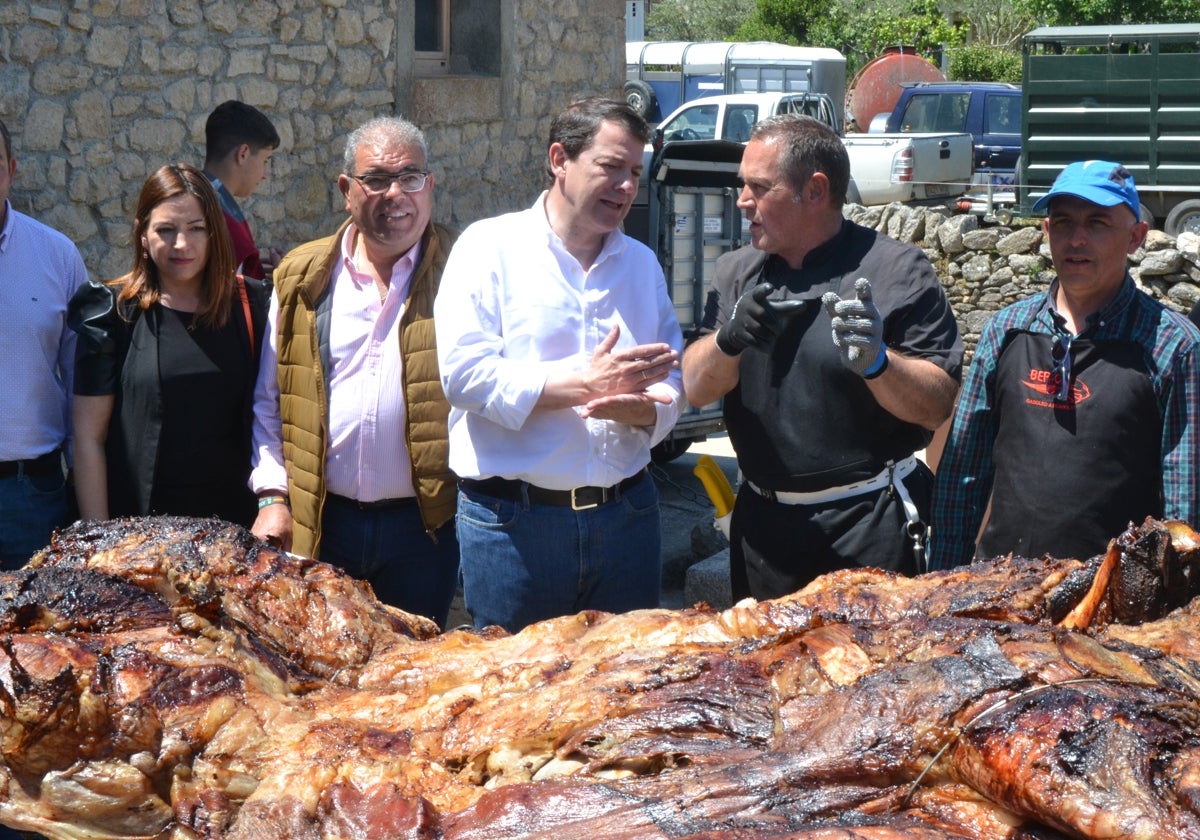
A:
(1098, 181)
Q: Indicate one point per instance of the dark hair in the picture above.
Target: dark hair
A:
(809, 146)
(7, 138)
(141, 284)
(233, 123)
(576, 127)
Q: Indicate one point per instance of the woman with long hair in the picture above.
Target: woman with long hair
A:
(165, 365)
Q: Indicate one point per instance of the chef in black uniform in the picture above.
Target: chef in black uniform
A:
(837, 354)
(1078, 414)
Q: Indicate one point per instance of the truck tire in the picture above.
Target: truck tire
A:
(640, 97)
(669, 449)
(1184, 217)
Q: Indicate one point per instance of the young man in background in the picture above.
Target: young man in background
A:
(239, 142)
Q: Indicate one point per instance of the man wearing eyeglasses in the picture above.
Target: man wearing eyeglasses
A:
(350, 447)
(559, 352)
(1078, 414)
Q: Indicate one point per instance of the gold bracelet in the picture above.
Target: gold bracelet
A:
(266, 501)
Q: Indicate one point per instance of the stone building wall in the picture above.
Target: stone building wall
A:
(99, 93)
(985, 268)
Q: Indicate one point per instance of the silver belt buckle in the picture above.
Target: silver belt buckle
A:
(577, 507)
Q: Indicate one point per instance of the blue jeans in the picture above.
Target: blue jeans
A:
(390, 550)
(525, 562)
(31, 507)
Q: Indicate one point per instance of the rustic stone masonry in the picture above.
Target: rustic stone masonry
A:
(984, 268)
(99, 93)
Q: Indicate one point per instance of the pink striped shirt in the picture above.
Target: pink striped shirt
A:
(366, 458)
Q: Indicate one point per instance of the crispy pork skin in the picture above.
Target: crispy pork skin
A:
(173, 678)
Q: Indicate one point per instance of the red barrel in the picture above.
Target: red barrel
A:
(876, 87)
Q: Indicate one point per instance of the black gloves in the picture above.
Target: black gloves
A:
(755, 321)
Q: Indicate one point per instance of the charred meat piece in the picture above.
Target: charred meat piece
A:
(174, 678)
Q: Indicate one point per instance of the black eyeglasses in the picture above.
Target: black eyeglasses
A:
(1062, 367)
(377, 183)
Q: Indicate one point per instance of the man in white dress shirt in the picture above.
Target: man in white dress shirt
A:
(39, 271)
(350, 420)
(559, 353)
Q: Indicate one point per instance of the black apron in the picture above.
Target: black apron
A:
(1071, 475)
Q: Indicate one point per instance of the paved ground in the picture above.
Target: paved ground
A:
(688, 532)
(687, 516)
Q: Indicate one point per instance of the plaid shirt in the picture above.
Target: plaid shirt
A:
(965, 473)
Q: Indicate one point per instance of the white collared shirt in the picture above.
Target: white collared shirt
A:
(514, 307)
(40, 270)
(366, 457)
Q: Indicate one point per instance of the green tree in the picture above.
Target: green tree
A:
(996, 23)
(696, 20)
(860, 33)
(980, 62)
(864, 33)
(784, 21)
(1102, 12)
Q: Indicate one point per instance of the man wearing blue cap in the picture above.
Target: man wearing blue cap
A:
(1078, 413)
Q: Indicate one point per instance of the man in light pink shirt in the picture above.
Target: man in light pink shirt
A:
(350, 441)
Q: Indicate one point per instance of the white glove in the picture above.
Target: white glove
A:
(858, 330)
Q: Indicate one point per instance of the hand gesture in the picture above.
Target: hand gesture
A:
(755, 321)
(630, 370)
(617, 382)
(857, 329)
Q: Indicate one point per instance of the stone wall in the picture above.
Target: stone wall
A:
(99, 93)
(984, 268)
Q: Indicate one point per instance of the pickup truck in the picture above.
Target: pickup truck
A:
(911, 168)
(989, 111)
(927, 167)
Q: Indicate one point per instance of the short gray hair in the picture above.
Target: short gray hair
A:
(389, 131)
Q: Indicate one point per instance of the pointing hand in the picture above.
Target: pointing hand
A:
(755, 321)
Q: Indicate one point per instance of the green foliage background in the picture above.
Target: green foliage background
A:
(984, 63)
(860, 32)
(980, 38)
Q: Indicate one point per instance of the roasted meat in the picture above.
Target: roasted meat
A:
(174, 678)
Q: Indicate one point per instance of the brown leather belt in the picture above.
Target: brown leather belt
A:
(47, 464)
(577, 498)
(369, 507)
